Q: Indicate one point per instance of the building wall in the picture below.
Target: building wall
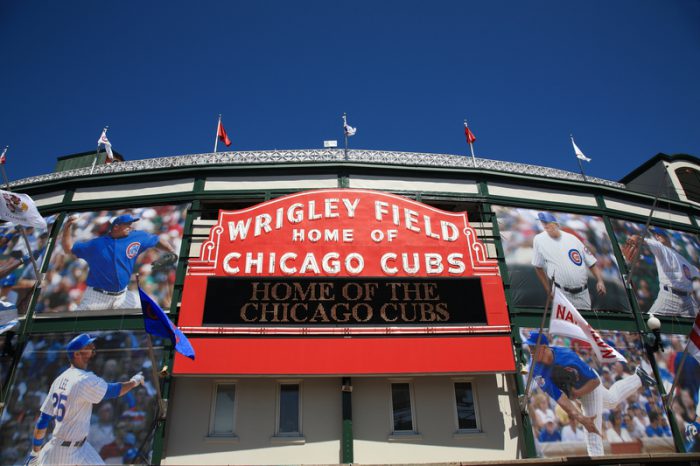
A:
(437, 439)
(187, 440)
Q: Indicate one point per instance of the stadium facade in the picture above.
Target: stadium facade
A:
(361, 307)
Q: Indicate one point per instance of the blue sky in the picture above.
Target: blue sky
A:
(621, 75)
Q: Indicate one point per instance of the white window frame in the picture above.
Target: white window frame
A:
(211, 435)
(403, 434)
(475, 398)
(282, 436)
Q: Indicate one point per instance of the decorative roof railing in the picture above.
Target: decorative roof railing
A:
(318, 156)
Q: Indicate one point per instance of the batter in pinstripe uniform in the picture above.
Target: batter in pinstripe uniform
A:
(562, 256)
(676, 276)
(111, 259)
(69, 404)
(587, 388)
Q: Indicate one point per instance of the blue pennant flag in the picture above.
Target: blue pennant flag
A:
(157, 323)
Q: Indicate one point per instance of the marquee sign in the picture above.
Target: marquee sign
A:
(342, 262)
(343, 301)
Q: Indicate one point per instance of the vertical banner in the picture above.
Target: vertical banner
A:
(686, 399)
(97, 256)
(666, 279)
(575, 250)
(17, 276)
(119, 429)
(625, 403)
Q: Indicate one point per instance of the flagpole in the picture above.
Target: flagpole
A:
(579, 160)
(216, 138)
(526, 396)
(21, 230)
(162, 405)
(345, 132)
(471, 145)
(97, 151)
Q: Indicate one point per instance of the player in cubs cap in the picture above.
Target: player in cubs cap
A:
(111, 260)
(68, 405)
(78, 343)
(561, 257)
(676, 275)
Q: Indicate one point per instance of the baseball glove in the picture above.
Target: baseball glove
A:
(630, 250)
(164, 262)
(563, 378)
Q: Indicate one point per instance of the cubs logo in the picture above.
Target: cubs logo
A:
(575, 257)
(14, 204)
(132, 250)
(686, 272)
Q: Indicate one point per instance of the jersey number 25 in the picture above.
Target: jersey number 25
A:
(59, 405)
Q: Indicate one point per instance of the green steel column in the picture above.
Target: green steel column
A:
(169, 354)
(346, 442)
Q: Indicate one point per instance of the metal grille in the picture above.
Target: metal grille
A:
(320, 156)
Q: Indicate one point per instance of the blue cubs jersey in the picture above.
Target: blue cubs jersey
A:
(112, 260)
(571, 361)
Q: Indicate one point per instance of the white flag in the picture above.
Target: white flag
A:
(108, 145)
(349, 130)
(578, 152)
(568, 322)
(21, 210)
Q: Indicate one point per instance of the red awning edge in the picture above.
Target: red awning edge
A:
(260, 356)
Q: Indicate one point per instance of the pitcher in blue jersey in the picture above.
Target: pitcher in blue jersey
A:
(583, 384)
(111, 258)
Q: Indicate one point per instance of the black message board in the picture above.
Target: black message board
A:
(300, 301)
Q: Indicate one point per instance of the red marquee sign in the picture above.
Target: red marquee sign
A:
(341, 262)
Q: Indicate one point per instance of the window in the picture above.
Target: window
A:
(690, 181)
(466, 407)
(289, 423)
(402, 407)
(223, 410)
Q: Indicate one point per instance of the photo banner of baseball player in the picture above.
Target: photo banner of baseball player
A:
(118, 429)
(565, 320)
(574, 249)
(571, 388)
(97, 254)
(683, 377)
(17, 275)
(666, 279)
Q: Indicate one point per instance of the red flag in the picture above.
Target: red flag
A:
(3, 157)
(223, 137)
(468, 133)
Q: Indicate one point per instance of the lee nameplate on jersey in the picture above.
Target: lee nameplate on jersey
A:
(333, 301)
